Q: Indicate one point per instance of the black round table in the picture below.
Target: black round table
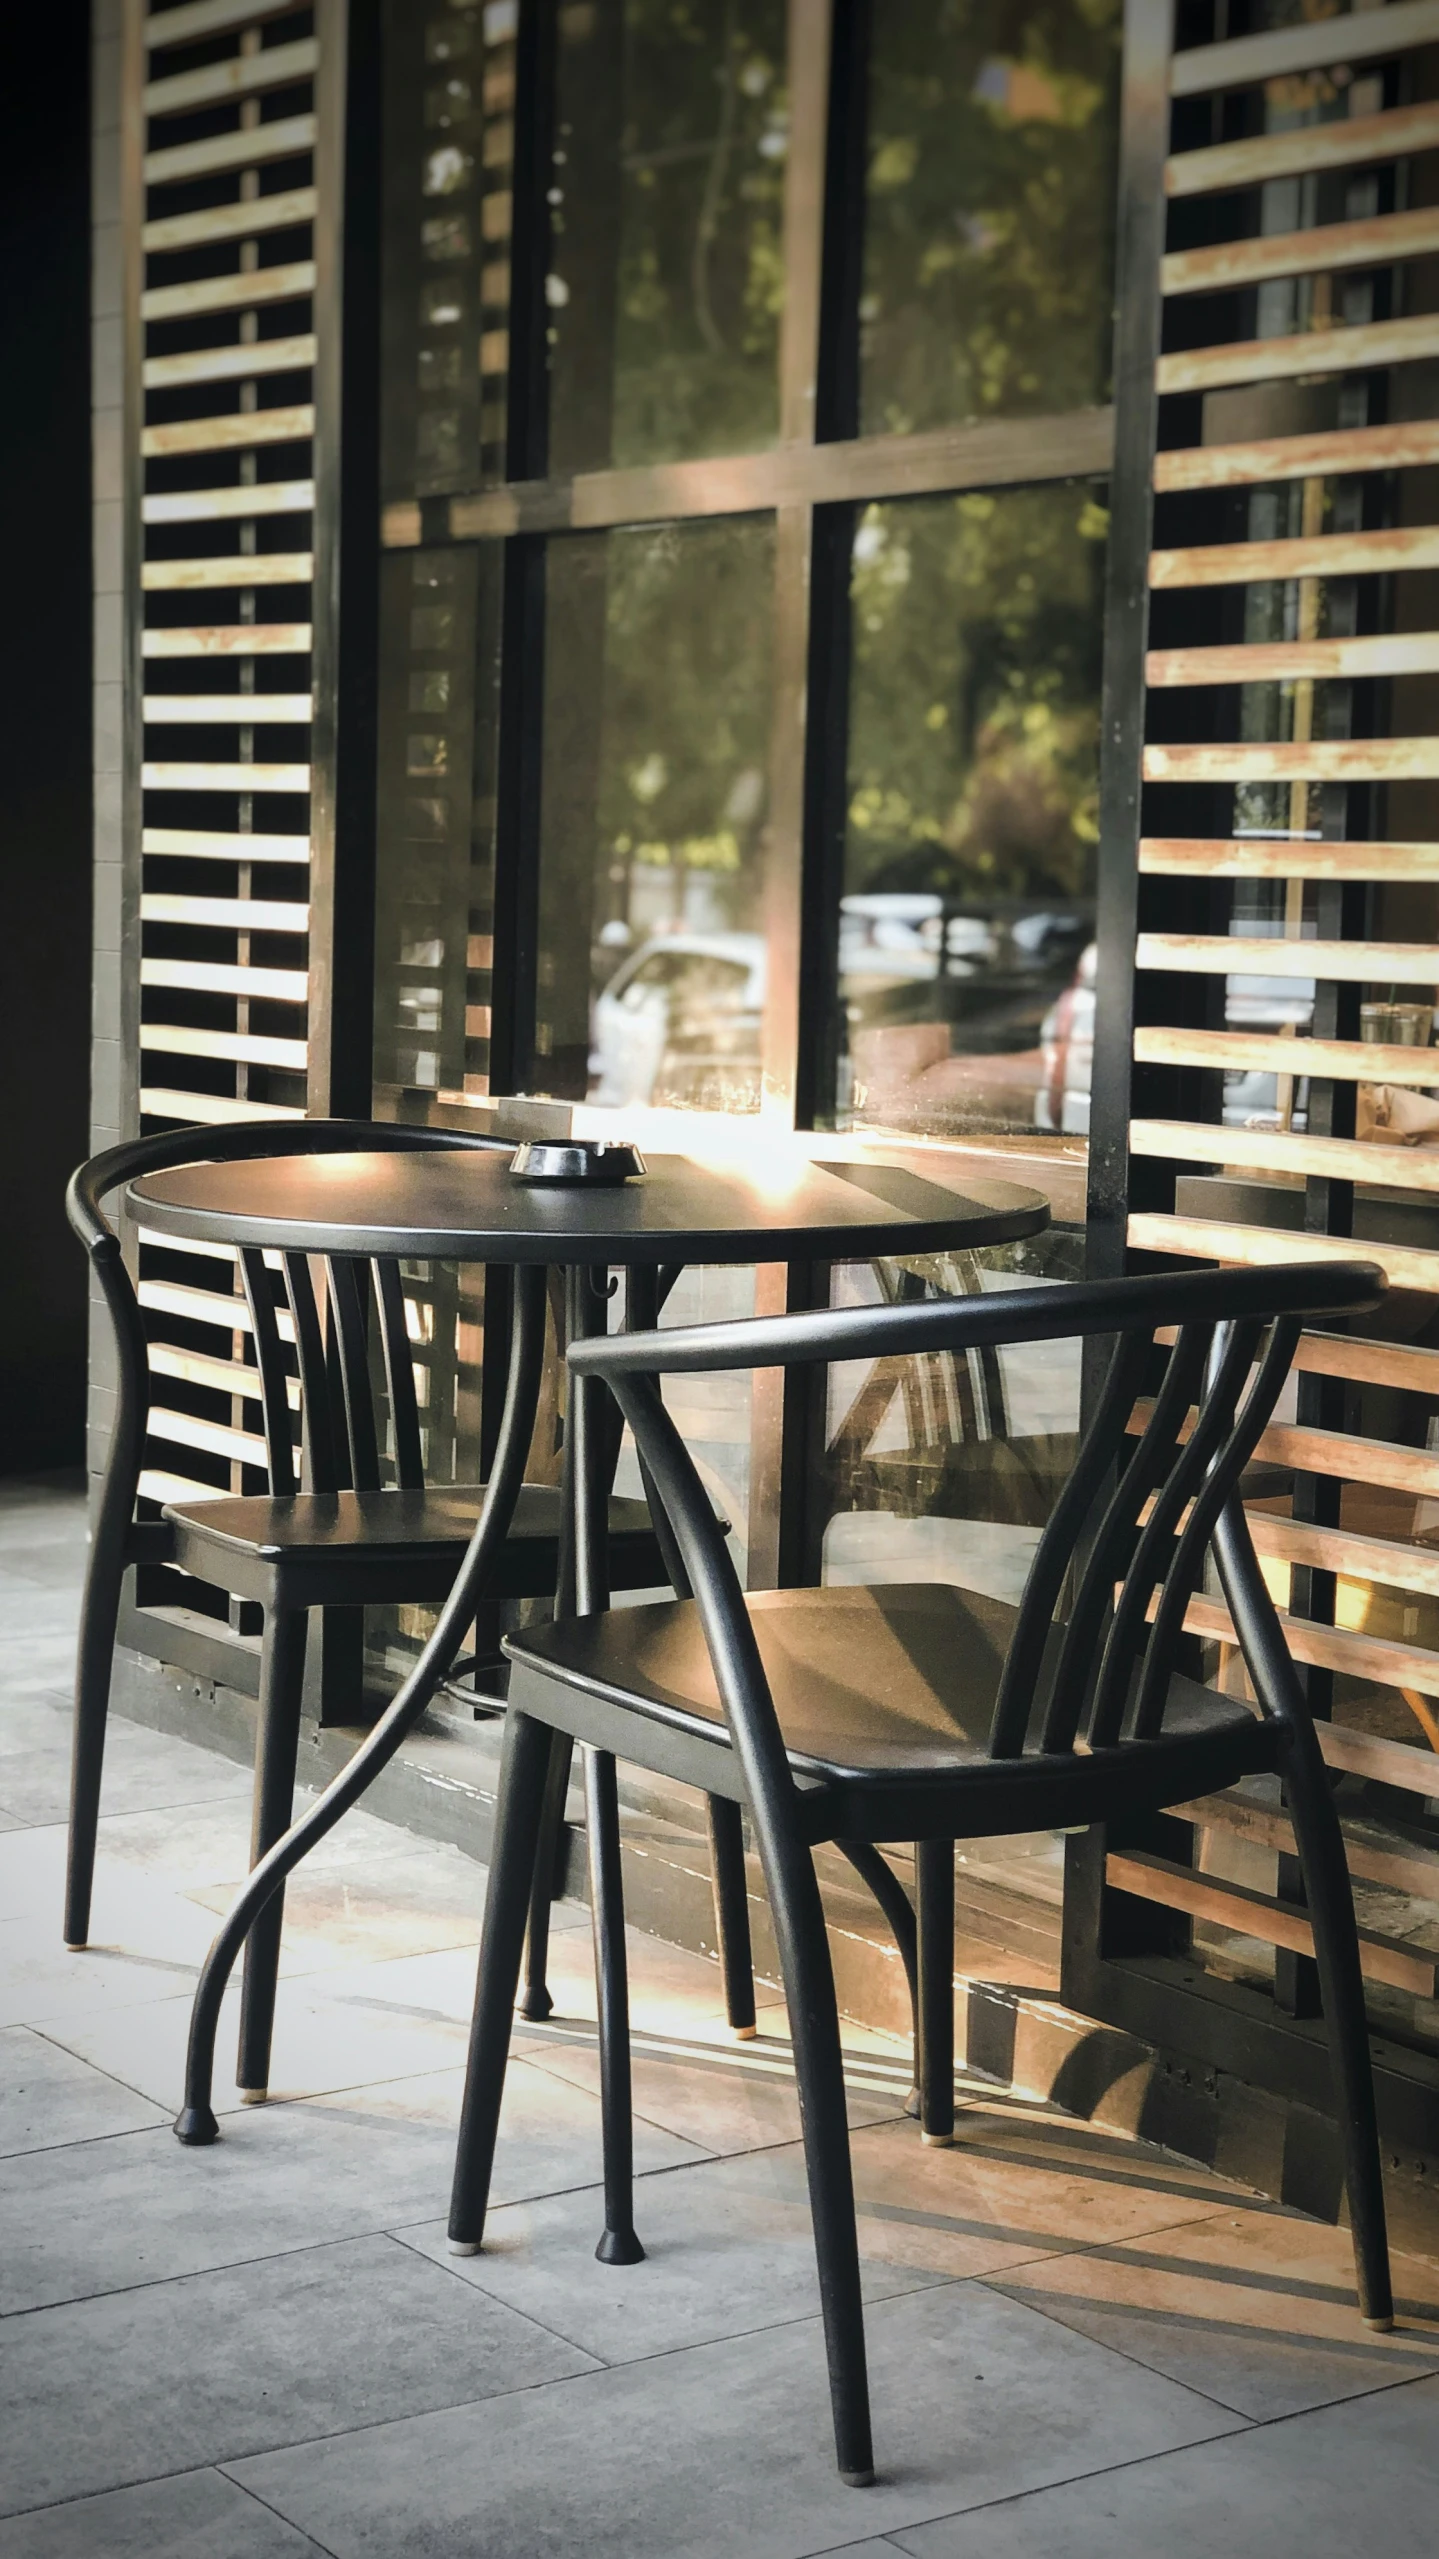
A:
(761, 1206)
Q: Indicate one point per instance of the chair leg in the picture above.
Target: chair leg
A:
(95, 1655)
(618, 2245)
(731, 1901)
(524, 1766)
(535, 2001)
(1336, 1946)
(894, 1902)
(934, 1898)
(277, 1743)
(819, 2069)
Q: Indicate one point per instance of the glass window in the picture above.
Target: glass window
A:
(965, 955)
(989, 203)
(651, 962)
(665, 268)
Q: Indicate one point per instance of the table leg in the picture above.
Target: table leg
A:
(196, 2122)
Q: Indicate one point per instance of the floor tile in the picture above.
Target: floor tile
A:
(222, 2364)
(48, 2097)
(143, 1770)
(41, 1979)
(736, 2099)
(198, 2515)
(102, 2215)
(1255, 2307)
(1344, 2481)
(725, 2452)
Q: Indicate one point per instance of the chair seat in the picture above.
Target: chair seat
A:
(874, 1688)
(385, 1538)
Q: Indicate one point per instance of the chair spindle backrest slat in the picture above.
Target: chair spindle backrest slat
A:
(316, 1418)
(270, 1363)
(399, 1374)
(351, 1340)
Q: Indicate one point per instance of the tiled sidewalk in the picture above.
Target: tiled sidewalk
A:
(1078, 2346)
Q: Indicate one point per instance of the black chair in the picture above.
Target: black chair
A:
(867, 1715)
(345, 1540)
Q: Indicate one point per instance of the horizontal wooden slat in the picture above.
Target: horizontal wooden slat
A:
(193, 846)
(236, 569)
(1379, 1560)
(224, 1376)
(226, 710)
(1345, 144)
(1407, 1365)
(219, 977)
(229, 364)
(1260, 1247)
(1284, 858)
(236, 914)
(225, 777)
(1303, 555)
(246, 75)
(1368, 1755)
(245, 1048)
(285, 139)
(1385, 759)
(1256, 955)
(215, 506)
(217, 1439)
(229, 640)
(157, 1484)
(246, 292)
(1366, 1657)
(1286, 661)
(1274, 1150)
(1351, 1457)
(194, 1305)
(229, 221)
(1325, 248)
(1253, 1914)
(1316, 351)
(209, 18)
(207, 1109)
(1300, 457)
(1310, 46)
(234, 432)
(1280, 1053)
(194, 1247)
(1241, 1817)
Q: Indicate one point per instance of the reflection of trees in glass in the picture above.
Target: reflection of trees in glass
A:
(974, 736)
(667, 227)
(685, 720)
(988, 254)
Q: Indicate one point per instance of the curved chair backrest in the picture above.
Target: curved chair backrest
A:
(337, 1413)
(1153, 1491)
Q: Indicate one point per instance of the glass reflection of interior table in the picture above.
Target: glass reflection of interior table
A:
(760, 1207)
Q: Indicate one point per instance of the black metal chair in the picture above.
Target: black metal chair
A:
(867, 1715)
(345, 1540)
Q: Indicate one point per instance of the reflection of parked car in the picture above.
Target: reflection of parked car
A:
(679, 1024)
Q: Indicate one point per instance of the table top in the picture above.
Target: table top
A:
(467, 1206)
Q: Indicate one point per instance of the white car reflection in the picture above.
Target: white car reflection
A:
(679, 1024)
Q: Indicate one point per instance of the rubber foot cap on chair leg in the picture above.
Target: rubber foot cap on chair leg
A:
(937, 2141)
(620, 2248)
(253, 2096)
(77, 1945)
(1381, 2327)
(744, 2034)
(195, 2126)
(857, 2478)
(463, 2247)
(536, 2005)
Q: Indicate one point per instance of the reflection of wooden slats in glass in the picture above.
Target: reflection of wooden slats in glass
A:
(237, 914)
(197, 18)
(1257, 955)
(278, 66)
(1253, 1914)
(288, 138)
(205, 710)
(210, 506)
(228, 640)
(225, 777)
(1334, 245)
(1349, 350)
(231, 433)
(1314, 46)
(252, 1048)
(284, 212)
(1349, 143)
(1298, 457)
(232, 569)
(226, 977)
(244, 292)
(196, 846)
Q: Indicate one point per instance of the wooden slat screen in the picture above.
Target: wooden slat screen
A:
(227, 94)
(1288, 969)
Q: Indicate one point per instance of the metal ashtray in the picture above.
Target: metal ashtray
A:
(576, 1161)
